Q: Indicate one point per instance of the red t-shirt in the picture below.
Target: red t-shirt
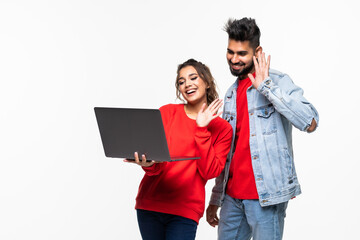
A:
(179, 187)
(241, 184)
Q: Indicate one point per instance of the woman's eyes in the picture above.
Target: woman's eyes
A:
(183, 81)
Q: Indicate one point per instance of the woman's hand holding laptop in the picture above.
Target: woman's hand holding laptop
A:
(143, 161)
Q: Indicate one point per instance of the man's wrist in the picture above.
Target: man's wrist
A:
(265, 85)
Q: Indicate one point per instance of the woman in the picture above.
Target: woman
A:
(171, 197)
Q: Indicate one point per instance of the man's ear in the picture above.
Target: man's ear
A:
(258, 51)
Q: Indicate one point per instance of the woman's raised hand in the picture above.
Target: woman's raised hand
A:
(205, 116)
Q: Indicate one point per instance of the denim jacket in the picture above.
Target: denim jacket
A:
(276, 106)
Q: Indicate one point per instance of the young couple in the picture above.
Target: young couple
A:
(249, 150)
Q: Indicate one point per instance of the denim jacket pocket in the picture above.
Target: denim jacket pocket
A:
(266, 119)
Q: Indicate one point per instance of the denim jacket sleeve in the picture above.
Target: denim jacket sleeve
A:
(220, 182)
(288, 100)
(218, 189)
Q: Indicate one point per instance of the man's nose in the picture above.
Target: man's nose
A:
(235, 59)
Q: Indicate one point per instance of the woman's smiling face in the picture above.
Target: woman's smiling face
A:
(191, 86)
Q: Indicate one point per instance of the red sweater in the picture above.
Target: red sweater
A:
(179, 187)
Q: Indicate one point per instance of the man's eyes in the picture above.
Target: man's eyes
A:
(238, 53)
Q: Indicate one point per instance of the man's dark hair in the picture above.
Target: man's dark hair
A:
(242, 30)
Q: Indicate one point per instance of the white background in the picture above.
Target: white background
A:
(59, 59)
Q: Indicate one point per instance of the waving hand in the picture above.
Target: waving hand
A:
(205, 116)
(261, 68)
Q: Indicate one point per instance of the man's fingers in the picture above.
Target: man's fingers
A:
(260, 60)
(252, 79)
(268, 65)
(256, 63)
(214, 221)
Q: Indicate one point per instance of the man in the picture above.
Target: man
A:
(262, 106)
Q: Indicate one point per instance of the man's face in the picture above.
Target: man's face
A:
(240, 58)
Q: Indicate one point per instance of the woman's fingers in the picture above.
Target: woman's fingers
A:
(202, 109)
(216, 115)
(215, 105)
(219, 105)
(143, 162)
(136, 156)
(143, 158)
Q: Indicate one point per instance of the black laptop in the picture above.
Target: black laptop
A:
(124, 131)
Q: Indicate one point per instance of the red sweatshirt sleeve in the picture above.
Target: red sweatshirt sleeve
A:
(213, 148)
(155, 169)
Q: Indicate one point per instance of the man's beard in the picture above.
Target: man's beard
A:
(243, 73)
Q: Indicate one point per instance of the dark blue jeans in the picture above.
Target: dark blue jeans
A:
(162, 226)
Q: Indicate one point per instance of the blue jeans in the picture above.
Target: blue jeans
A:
(243, 219)
(162, 226)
